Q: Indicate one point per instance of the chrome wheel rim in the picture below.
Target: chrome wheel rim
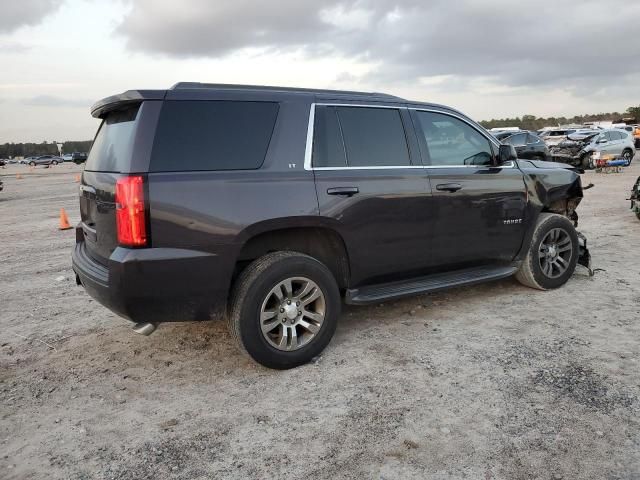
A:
(555, 252)
(292, 313)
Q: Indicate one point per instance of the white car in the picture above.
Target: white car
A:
(67, 157)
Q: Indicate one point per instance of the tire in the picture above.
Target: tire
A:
(531, 271)
(586, 161)
(254, 293)
(54, 162)
(627, 154)
(32, 164)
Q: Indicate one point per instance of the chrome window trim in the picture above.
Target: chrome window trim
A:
(308, 152)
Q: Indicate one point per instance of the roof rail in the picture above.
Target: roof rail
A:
(228, 86)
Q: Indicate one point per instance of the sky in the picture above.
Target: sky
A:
(488, 58)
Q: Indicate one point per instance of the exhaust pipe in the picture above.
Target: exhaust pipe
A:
(145, 329)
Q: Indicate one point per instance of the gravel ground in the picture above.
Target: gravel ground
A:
(489, 382)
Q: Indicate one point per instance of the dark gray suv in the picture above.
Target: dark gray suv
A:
(271, 206)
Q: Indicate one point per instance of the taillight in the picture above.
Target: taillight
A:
(131, 219)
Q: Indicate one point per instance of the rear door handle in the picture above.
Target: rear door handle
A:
(347, 191)
(448, 187)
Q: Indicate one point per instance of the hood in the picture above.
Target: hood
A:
(545, 165)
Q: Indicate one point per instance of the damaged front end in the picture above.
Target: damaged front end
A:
(557, 188)
(573, 152)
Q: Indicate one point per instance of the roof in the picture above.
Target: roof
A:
(203, 91)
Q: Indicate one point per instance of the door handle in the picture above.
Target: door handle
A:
(448, 187)
(347, 191)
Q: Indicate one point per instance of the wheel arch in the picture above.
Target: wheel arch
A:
(316, 239)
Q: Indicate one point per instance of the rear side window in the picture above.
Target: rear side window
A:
(359, 137)
(212, 135)
(111, 149)
(516, 140)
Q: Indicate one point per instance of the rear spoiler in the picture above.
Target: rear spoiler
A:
(123, 100)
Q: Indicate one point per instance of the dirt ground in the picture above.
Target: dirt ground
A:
(496, 381)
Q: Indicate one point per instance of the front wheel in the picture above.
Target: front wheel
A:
(32, 164)
(284, 309)
(54, 162)
(553, 253)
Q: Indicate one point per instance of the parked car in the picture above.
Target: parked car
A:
(271, 205)
(635, 198)
(636, 136)
(45, 160)
(527, 144)
(580, 153)
(78, 157)
(67, 157)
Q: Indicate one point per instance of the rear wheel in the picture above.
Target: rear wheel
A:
(284, 309)
(627, 154)
(553, 253)
(55, 162)
(33, 164)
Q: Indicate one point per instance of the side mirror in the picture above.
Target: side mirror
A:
(506, 153)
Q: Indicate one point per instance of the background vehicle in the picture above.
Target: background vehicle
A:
(45, 160)
(635, 198)
(527, 144)
(78, 157)
(270, 205)
(636, 136)
(606, 142)
(67, 157)
(582, 134)
(555, 136)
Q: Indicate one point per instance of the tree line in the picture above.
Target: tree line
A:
(531, 122)
(11, 150)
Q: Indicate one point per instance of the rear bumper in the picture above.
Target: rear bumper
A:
(155, 284)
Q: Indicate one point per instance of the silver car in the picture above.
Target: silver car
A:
(616, 142)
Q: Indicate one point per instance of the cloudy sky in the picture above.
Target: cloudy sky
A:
(489, 58)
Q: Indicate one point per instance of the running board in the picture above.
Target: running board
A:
(429, 283)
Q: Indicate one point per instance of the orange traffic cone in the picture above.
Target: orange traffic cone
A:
(77, 178)
(18, 176)
(64, 221)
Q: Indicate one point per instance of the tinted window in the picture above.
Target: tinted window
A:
(531, 138)
(373, 136)
(111, 149)
(328, 147)
(516, 140)
(212, 135)
(615, 136)
(453, 142)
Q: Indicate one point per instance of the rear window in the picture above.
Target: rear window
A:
(111, 149)
(212, 135)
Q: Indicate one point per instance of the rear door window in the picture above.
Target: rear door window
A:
(359, 137)
(212, 135)
(328, 145)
